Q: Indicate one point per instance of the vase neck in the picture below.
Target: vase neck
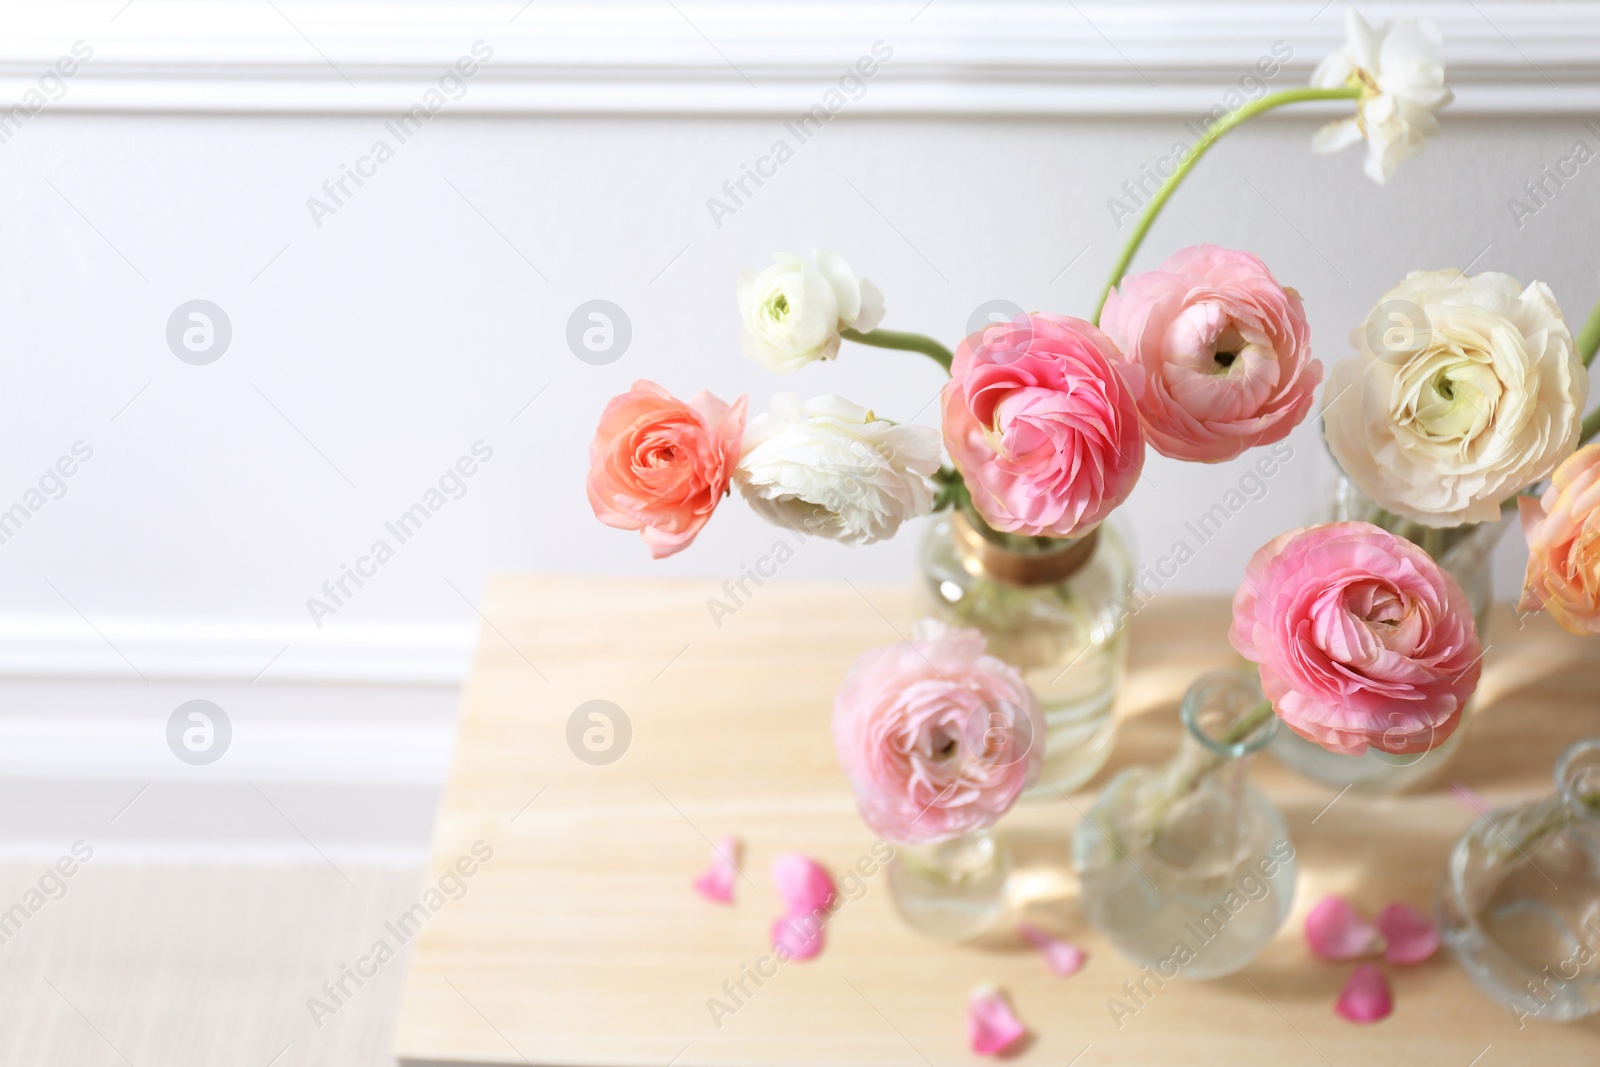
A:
(1225, 721)
(961, 859)
(1016, 559)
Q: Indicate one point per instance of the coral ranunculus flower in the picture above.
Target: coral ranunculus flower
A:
(1043, 426)
(1225, 350)
(936, 737)
(1563, 531)
(661, 466)
(1362, 639)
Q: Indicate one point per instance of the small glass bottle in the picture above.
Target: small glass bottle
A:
(1466, 554)
(954, 890)
(1057, 610)
(1187, 867)
(1519, 904)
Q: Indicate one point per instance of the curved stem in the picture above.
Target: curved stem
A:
(1591, 426)
(1589, 336)
(910, 342)
(1205, 762)
(1248, 723)
(1235, 118)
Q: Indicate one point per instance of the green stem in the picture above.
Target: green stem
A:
(1589, 336)
(1248, 723)
(1591, 426)
(1433, 542)
(910, 342)
(952, 490)
(1235, 118)
(1208, 760)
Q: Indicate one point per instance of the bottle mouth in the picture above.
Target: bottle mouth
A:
(1216, 708)
(1578, 776)
(1020, 560)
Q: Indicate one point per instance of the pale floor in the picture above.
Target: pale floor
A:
(160, 965)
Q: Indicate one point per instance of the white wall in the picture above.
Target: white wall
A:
(371, 351)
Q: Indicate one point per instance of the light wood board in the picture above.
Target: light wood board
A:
(581, 943)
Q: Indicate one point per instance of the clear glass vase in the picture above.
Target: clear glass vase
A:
(1467, 554)
(1186, 867)
(954, 890)
(1519, 904)
(1055, 609)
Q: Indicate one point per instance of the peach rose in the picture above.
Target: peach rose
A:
(1042, 425)
(1563, 531)
(1225, 349)
(661, 466)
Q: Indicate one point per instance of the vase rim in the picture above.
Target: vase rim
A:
(1242, 688)
(1578, 776)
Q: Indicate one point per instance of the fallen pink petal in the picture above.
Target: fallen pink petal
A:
(1410, 934)
(717, 882)
(1336, 931)
(805, 886)
(992, 1027)
(1366, 997)
(799, 934)
(1062, 957)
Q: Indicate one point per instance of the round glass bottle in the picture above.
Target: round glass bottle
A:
(1466, 553)
(954, 890)
(1055, 609)
(1519, 904)
(1186, 867)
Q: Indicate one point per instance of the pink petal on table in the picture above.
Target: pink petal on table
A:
(799, 933)
(806, 888)
(1470, 798)
(1411, 935)
(1335, 931)
(1366, 997)
(992, 1027)
(1062, 957)
(717, 883)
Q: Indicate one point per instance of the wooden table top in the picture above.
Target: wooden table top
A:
(580, 942)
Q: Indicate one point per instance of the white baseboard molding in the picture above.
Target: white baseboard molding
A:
(165, 649)
(295, 751)
(950, 57)
(219, 822)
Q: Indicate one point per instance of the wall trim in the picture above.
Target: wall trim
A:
(630, 57)
(232, 650)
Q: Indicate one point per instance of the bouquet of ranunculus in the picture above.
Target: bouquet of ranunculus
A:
(1046, 417)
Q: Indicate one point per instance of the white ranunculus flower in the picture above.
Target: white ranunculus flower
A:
(793, 311)
(1400, 68)
(1464, 391)
(827, 466)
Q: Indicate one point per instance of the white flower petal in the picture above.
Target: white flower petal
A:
(1483, 401)
(828, 466)
(793, 311)
(1400, 67)
(1335, 136)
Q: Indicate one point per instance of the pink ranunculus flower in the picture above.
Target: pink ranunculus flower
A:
(1225, 349)
(661, 466)
(1361, 638)
(1563, 531)
(936, 737)
(1043, 427)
